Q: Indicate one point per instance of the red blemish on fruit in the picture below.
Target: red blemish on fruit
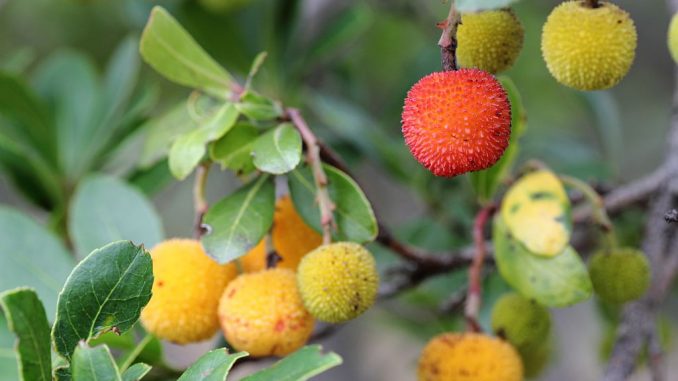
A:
(279, 325)
(457, 121)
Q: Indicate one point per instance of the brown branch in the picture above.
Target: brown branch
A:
(199, 202)
(474, 296)
(448, 38)
(313, 158)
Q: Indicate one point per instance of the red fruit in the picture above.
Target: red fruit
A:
(457, 121)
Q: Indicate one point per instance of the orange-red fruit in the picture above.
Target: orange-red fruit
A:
(457, 121)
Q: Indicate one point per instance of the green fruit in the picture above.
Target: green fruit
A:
(621, 275)
(673, 37)
(537, 358)
(524, 323)
(489, 40)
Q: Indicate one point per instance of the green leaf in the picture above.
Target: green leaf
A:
(136, 372)
(189, 148)
(258, 107)
(536, 210)
(254, 69)
(557, 281)
(32, 256)
(212, 366)
(278, 151)
(27, 319)
(105, 292)
(162, 131)
(105, 209)
(8, 360)
(170, 49)
(298, 366)
(485, 182)
(465, 6)
(69, 83)
(234, 150)
(239, 221)
(94, 364)
(353, 213)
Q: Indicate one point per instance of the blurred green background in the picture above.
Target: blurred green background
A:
(347, 65)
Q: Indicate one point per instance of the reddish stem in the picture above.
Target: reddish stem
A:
(475, 288)
(199, 201)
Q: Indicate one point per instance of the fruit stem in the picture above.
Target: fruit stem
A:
(448, 39)
(475, 288)
(199, 202)
(592, 3)
(325, 203)
(598, 212)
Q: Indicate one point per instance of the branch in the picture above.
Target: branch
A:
(199, 202)
(474, 296)
(313, 157)
(448, 38)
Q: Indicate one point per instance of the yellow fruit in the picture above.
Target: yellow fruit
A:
(338, 281)
(262, 313)
(489, 40)
(292, 238)
(255, 259)
(469, 357)
(523, 322)
(673, 37)
(588, 48)
(186, 290)
(621, 275)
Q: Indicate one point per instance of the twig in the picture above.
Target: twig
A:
(199, 202)
(474, 297)
(671, 216)
(313, 157)
(448, 38)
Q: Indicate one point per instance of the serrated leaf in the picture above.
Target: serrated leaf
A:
(189, 148)
(234, 150)
(353, 214)
(278, 151)
(301, 365)
(26, 247)
(105, 209)
(170, 49)
(212, 366)
(258, 107)
(465, 6)
(557, 281)
(105, 292)
(239, 221)
(537, 213)
(27, 319)
(485, 182)
(136, 372)
(93, 364)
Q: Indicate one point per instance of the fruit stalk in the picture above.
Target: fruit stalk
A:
(313, 158)
(199, 202)
(592, 3)
(474, 297)
(448, 39)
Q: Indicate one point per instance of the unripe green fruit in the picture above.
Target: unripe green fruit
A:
(338, 282)
(673, 37)
(620, 275)
(536, 359)
(489, 40)
(524, 323)
(588, 48)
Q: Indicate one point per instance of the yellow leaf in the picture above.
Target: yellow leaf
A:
(537, 213)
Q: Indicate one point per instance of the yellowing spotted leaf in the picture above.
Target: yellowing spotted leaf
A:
(537, 213)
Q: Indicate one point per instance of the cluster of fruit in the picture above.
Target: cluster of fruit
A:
(263, 311)
(460, 121)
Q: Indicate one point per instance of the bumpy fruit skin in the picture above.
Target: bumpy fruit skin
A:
(469, 357)
(588, 48)
(523, 322)
(262, 313)
(186, 292)
(619, 276)
(673, 37)
(489, 40)
(457, 121)
(338, 282)
(292, 238)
